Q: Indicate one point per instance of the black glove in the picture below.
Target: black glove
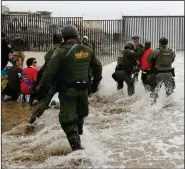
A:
(95, 85)
(32, 119)
(33, 90)
(114, 76)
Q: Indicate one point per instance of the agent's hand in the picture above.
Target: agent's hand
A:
(95, 85)
(37, 88)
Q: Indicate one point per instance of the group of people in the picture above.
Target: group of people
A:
(67, 69)
(72, 69)
(155, 65)
(15, 79)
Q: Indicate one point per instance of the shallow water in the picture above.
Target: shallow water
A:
(120, 131)
(14, 113)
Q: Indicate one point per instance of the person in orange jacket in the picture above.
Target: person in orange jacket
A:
(146, 66)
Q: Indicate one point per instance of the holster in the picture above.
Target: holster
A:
(167, 71)
(128, 70)
(173, 72)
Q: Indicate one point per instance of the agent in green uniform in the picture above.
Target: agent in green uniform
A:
(162, 59)
(57, 41)
(71, 63)
(137, 48)
(85, 41)
(43, 98)
(124, 68)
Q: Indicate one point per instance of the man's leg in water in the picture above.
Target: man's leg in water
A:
(43, 105)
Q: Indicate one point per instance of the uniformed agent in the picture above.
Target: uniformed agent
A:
(36, 97)
(137, 47)
(72, 63)
(124, 68)
(43, 98)
(162, 59)
(57, 41)
(85, 41)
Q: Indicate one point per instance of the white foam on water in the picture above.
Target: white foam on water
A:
(180, 166)
(108, 85)
(177, 140)
(120, 131)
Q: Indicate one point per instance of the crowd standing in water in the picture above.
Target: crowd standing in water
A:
(72, 69)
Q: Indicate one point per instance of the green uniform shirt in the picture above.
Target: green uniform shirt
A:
(48, 55)
(153, 56)
(60, 65)
(128, 57)
(139, 47)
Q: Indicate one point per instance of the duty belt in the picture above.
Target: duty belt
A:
(147, 71)
(165, 71)
(73, 84)
(125, 68)
(78, 85)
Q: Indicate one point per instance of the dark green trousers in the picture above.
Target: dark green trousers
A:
(73, 110)
(156, 82)
(123, 76)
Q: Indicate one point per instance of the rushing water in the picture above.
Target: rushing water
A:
(120, 131)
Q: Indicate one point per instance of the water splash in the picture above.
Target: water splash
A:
(120, 131)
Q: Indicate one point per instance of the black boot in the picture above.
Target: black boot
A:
(74, 141)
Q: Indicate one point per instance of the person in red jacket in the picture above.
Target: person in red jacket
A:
(29, 76)
(146, 66)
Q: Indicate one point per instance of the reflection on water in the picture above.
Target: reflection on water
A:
(13, 114)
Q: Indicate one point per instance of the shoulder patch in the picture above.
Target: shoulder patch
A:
(120, 55)
(54, 54)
